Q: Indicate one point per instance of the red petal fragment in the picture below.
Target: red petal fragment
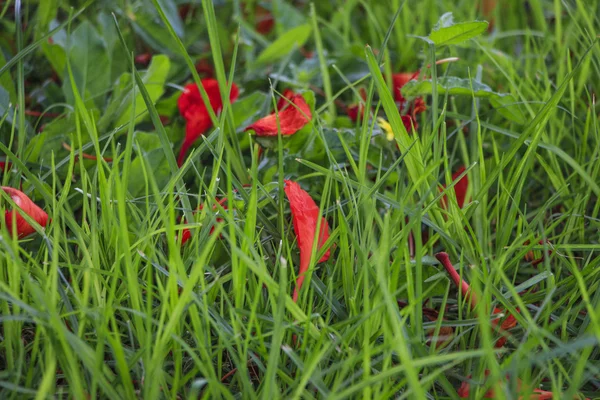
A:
(418, 107)
(305, 217)
(29, 207)
(186, 235)
(460, 188)
(356, 111)
(401, 79)
(291, 119)
(264, 20)
(285, 99)
(204, 67)
(408, 122)
(508, 323)
(193, 109)
(143, 59)
(193, 126)
(465, 389)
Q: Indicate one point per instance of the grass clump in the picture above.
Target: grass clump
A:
(424, 175)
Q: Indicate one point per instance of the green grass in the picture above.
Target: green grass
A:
(107, 303)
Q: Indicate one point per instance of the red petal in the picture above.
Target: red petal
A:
(291, 119)
(419, 106)
(460, 188)
(285, 99)
(186, 235)
(143, 59)
(29, 207)
(465, 389)
(408, 122)
(193, 109)
(305, 217)
(205, 68)
(401, 79)
(193, 130)
(264, 20)
(354, 111)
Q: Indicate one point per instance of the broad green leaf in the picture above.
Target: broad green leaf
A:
(504, 103)
(118, 59)
(154, 79)
(41, 147)
(153, 33)
(282, 46)
(157, 161)
(446, 32)
(90, 63)
(56, 56)
(146, 142)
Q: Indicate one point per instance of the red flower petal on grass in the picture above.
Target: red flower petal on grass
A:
(460, 188)
(292, 118)
(508, 323)
(418, 106)
(193, 109)
(409, 122)
(305, 217)
(186, 235)
(285, 100)
(29, 207)
(399, 80)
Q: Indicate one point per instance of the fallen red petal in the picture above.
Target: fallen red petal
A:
(399, 80)
(291, 119)
(460, 188)
(192, 108)
(285, 99)
(305, 218)
(22, 227)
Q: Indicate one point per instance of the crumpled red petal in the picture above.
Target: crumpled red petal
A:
(193, 109)
(305, 217)
(292, 118)
(22, 227)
